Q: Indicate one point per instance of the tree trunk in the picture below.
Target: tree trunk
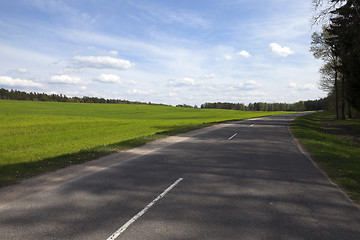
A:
(336, 95)
(343, 97)
(349, 109)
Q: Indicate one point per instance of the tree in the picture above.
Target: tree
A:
(324, 46)
(346, 29)
(324, 9)
(327, 76)
(344, 16)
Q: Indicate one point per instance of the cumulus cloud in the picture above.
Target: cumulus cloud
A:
(248, 85)
(302, 87)
(228, 57)
(113, 53)
(172, 94)
(252, 95)
(22, 70)
(139, 92)
(244, 53)
(64, 79)
(209, 76)
(108, 78)
(131, 82)
(182, 82)
(16, 82)
(102, 62)
(279, 50)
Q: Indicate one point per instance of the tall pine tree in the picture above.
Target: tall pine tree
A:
(346, 29)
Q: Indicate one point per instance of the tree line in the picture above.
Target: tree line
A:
(338, 45)
(33, 96)
(310, 105)
(257, 106)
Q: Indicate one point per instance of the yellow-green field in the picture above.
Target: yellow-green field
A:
(41, 136)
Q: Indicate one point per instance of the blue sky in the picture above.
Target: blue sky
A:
(162, 51)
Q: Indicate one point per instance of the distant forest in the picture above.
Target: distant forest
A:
(33, 96)
(309, 105)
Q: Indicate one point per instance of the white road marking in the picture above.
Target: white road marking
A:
(232, 136)
(132, 220)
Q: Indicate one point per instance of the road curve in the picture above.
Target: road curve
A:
(239, 180)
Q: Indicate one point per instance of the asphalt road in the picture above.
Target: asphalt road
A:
(240, 180)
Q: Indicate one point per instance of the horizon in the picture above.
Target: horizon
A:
(147, 102)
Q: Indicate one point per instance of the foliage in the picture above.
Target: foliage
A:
(342, 37)
(327, 80)
(323, 47)
(184, 106)
(310, 105)
(33, 96)
(324, 9)
(346, 30)
(258, 106)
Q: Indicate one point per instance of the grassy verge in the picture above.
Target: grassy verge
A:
(36, 137)
(334, 146)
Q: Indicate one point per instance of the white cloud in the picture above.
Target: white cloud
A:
(210, 76)
(167, 55)
(244, 53)
(302, 87)
(167, 15)
(248, 85)
(139, 92)
(253, 95)
(108, 78)
(22, 70)
(64, 79)
(182, 82)
(228, 57)
(16, 82)
(102, 62)
(279, 50)
(113, 53)
(189, 19)
(292, 85)
(131, 82)
(251, 84)
(172, 94)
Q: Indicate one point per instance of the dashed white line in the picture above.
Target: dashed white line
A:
(132, 220)
(232, 136)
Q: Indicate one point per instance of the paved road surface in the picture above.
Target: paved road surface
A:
(243, 180)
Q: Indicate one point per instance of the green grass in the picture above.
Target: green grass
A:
(334, 147)
(40, 136)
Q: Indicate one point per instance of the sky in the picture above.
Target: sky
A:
(161, 51)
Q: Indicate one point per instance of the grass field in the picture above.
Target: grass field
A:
(42, 136)
(335, 146)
